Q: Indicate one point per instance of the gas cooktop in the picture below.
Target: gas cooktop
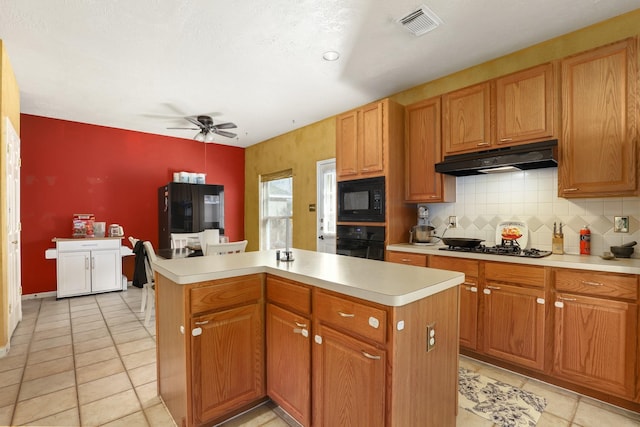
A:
(504, 249)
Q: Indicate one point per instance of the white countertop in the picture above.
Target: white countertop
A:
(377, 281)
(581, 262)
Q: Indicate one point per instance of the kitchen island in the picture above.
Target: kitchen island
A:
(333, 340)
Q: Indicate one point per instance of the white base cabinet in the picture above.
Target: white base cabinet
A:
(88, 266)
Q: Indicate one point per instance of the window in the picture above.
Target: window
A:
(276, 212)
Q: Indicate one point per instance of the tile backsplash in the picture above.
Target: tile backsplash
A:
(483, 201)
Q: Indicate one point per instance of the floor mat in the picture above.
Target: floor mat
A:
(501, 403)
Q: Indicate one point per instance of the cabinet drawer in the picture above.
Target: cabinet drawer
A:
(87, 244)
(225, 293)
(407, 258)
(289, 294)
(515, 273)
(467, 266)
(351, 316)
(595, 283)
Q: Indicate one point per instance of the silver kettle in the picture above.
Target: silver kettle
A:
(422, 234)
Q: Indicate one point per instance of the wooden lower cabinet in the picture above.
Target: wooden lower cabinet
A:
(227, 369)
(468, 296)
(210, 347)
(595, 336)
(349, 381)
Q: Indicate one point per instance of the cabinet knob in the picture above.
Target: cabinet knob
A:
(196, 332)
(301, 331)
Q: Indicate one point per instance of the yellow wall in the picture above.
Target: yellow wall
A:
(9, 107)
(300, 149)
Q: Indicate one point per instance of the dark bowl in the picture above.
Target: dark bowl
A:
(622, 251)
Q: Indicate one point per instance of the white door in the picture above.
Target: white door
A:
(326, 206)
(106, 272)
(13, 227)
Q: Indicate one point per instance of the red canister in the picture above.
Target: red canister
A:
(585, 241)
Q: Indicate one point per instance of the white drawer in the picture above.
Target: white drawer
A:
(87, 244)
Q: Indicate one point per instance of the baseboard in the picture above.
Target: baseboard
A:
(4, 350)
(40, 295)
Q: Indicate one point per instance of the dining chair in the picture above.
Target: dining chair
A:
(180, 240)
(149, 288)
(226, 248)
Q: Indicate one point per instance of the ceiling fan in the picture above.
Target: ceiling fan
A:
(208, 129)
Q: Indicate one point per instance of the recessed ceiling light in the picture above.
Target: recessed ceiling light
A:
(330, 55)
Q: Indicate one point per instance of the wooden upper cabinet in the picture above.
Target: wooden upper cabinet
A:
(360, 142)
(423, 149)
(598, 153)
(525, 106)
(467, 119)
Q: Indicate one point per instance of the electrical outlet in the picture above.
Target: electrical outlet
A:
(431, 336)
(453, 221)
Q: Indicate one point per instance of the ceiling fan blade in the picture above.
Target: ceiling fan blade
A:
(227, 125)
(186, 128)
(194, 120)
(224, 133)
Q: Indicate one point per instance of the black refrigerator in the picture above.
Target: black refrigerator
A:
(188, 208)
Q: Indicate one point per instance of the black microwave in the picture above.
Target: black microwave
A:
(361, 200)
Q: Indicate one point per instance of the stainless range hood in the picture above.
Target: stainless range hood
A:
(536, 155)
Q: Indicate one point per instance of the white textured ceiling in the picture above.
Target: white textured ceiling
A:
(139, 64)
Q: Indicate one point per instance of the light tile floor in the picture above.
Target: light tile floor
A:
(90, 361)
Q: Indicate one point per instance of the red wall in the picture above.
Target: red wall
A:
(70, 167)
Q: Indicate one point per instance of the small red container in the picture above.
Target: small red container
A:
(585, 241)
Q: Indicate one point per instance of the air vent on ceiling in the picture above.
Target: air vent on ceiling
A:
(420, 21)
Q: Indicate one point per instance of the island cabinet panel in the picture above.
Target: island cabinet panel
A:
(210, 347)
(228, 366)
(599, 150)
(349, 381)
(468, 296)
(289, 347)
(514, 313)
(525, 106)
(596, 330)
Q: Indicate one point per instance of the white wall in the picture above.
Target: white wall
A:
(483, 201)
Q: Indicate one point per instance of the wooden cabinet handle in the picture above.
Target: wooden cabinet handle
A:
(494, 287)
(586, 282)
(204, 322)
(506, 139)
(405, 260)
(370, 356)
(567, 299)
(346, 314)
(300, 325)
(570, 189)
(482, 144)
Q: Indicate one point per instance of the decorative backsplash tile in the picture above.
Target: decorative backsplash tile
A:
(483, 201)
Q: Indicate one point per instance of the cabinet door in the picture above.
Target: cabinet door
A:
(423, 149)
(525, 106)
(227, 361)
(370, 140)
(106, 271)
(73, 273)
(347, 144)
(467, 119)
(599, 119)
(595, 343)
(513, 324)
(289, 362)
(349, 381)
(469, 313)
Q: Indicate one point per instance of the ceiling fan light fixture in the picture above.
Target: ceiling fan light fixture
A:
(209, 137)
(199, 137)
